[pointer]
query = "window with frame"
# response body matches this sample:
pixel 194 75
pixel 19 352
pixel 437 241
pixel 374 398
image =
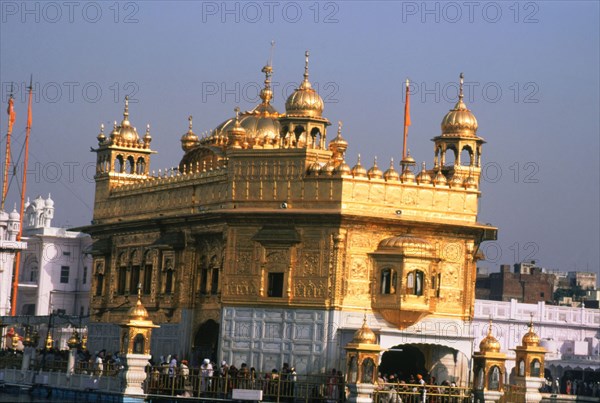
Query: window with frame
pixel 122 280
pixel 414 282
pixel 214 287
pixel 147 287
pixel 275 285
pixel 64 274
pixel 134 279
pixel 169 274
pixel 33 274
pixel 535 368
pixel 388 281
pixel 99 278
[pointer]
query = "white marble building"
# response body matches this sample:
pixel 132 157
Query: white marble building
pixel 54 275
pixel 570 335
pixel 9 228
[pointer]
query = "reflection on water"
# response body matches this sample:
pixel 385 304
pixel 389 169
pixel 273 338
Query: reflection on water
pixel 13 395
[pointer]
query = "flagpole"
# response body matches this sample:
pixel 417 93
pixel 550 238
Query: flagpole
pixel 11 121
pixel 15 290
pixel 406 119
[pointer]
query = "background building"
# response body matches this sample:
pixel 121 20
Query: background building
pixel 9 228
pixel 55 272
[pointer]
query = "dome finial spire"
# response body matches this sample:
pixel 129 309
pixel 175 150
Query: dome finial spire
pixel 460 88
pixel 266 94
pixel 126 111
pixel 339 128
pixel 190 122
pixel 306 84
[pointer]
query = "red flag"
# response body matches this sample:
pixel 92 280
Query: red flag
pixel 11 113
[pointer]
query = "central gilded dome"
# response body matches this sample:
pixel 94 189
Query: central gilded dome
pixel 305 101
pixel 261 123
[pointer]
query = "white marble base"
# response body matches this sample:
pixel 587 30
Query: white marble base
pixel 135 373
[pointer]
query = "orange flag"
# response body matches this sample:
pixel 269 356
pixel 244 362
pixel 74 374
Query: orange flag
pixel 29 118
pixel 407 106
pixel 406 119
pixel 11 113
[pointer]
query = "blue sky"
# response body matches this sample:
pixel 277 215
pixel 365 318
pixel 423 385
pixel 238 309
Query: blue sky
pixel 531 68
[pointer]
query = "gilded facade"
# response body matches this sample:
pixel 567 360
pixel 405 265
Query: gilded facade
pixel 263 245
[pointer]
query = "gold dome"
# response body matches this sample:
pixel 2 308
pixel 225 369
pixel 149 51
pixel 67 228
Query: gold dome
pixel 328 168
pixel 338 145
pixel 456 180
pixel 375 172
pixel 405 243
pixel 189 140
pixel 423 176
pixel 315 168
pixel 261 123
pixel 138 312
pixel 470 182
pixel 391 174
pixel 489 343
pixel 343 169
pixel 304 101
pixel 126 132
pixel 460 121
pixel 530 339
pixel 358 170
pixel 101 137
pixel 440 179
pixel 364 335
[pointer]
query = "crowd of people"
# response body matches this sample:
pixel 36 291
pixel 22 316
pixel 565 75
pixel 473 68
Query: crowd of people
pixel 171 376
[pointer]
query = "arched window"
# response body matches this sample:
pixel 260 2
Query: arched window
pixel 203 288
pixel 535 368
pixel 129 165
pixel 148 264
pixel 119 164
pixel 169 274
pixel 494 378
pixel 138 344
pixel 388 281
pixel 479 379
pixel 466 156
pixel 521 368
pixel 414 282
pixel 367 369
pixel 214 280
pixel 140 166
pixel 450 156
pixel 352 370
pixel 134 279
pixel 99 278
pixel 122 280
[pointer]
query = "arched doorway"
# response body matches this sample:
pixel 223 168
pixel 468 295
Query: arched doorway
pixel 403 361
pixel 430 360
pixel 205 342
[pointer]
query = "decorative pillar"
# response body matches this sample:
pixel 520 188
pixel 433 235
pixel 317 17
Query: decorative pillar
pixel 29 343
pixel 489 370
pixel 530 365
pixel 135 344
pixel 74 343
pixel 362 360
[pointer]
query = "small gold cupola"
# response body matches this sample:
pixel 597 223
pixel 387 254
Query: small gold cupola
pixel 189 140
pixel 305 101
pixel 460 120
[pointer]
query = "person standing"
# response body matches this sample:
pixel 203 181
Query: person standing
pixel 206 373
